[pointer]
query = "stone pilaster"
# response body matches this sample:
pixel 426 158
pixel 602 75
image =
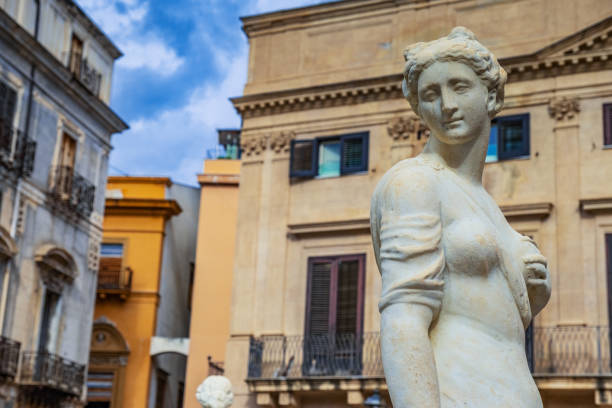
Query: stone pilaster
pixel 568 271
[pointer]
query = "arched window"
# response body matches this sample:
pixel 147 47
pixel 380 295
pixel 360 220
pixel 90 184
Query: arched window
pixel 107 361
pixel 57 269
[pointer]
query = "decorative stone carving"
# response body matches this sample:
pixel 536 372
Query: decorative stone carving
pixel 215 392
pixel 459 285
pixel 253 145
pixel 280 142
pixel 407 128
pixel 564 108
pixel 93 253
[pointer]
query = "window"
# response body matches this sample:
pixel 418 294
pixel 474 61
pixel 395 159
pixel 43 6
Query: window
pixel 8 101
pixel 111 259
pixel 607 114
pixel 329 156
pixel 49 324
pixel 64 173
pixel 334 315
pixel 76 55
pixel 509 138
pixel 160 393
pixel 100 389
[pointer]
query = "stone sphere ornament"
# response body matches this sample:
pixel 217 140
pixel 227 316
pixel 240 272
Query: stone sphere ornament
pixel 215 392
pixel 459 285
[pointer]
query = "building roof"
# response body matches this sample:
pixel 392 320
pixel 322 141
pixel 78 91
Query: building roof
pixel 92 27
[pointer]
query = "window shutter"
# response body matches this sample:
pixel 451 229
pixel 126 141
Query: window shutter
pixel 303 158
pixel 8 101
pixel 513 136
pixel 319 300
pixel 354 153
pixel 607 114
pixel 348 297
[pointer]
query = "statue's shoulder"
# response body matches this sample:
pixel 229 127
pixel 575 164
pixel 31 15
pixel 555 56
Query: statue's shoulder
pixel 414 177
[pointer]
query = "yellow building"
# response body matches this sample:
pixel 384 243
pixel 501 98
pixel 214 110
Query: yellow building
pixel 141 313
pixel 212 285
pixel 324 118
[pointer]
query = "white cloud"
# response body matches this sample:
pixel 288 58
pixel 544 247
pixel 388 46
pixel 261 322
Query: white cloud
pixel 123 21
pixel 174 142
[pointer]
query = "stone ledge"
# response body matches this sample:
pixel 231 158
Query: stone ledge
pixel 596 205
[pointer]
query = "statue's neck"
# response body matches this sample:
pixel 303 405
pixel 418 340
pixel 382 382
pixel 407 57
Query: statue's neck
pixel 466 159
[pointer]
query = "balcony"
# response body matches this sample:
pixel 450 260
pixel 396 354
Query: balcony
pixel 350 363
pixel 51 373
pixel 72 191
pixel 114 280
pixel 9 357
pixel 16 151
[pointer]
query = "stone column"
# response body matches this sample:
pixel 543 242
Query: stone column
pixel 568 271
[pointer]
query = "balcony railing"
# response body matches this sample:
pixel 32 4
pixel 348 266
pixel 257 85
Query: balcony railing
pixel 47 370
pixel 114 280
pixel 89 77
pixel 557 351
pixel 73 190
pixel 9 357
pixel 311 356
pixel 16 151
pixel 215 367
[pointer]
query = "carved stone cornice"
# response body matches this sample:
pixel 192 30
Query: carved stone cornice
pixel 588 50
pixel 253 145
pixel 281 141
pixel 408 128
pixel 596 205
pixel 563 108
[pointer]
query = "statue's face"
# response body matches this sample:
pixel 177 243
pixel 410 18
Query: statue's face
pixel 453 102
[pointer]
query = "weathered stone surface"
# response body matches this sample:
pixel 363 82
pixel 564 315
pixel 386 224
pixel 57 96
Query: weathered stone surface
pixel 459 285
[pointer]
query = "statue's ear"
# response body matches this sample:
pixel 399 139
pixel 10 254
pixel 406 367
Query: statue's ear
pixel 492 102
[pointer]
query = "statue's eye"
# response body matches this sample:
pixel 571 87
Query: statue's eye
pixel 429 95
pixel 461 87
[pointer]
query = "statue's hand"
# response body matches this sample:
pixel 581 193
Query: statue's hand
pixel 537 276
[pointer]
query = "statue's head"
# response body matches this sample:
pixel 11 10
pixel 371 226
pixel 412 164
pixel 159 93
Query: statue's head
pixel 460 46
pixel 215 392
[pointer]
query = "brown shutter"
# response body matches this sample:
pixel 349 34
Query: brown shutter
pixel 318 310
pixel 607 114
pixel 348 297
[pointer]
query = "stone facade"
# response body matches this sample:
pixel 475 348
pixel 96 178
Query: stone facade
pixel 56 126
pixel 322 74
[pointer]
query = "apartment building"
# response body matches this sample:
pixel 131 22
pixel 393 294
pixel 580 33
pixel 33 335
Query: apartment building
pixel 139 343
pixel 324 118
pixel 213 277
pixel 55 137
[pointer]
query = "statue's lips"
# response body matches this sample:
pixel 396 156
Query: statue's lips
pixel 453 123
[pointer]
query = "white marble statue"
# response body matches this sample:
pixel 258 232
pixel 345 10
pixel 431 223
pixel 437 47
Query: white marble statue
pixel 459 285
pixel 215 392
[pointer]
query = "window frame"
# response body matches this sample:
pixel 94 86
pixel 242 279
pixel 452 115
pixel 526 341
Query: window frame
pixel 607 124
pixel 364 136
pixel 524 151
pixel 333 286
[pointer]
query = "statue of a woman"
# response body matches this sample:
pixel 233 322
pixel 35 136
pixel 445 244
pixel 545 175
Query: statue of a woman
pixel 459 285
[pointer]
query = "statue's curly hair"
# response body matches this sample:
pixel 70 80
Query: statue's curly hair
pixel 461 46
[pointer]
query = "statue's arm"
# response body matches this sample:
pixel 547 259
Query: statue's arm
pixel 407 356
pixel 406 229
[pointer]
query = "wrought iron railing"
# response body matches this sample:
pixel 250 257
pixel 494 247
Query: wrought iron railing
pixel 556 351
pixel 9 357
pixel 115 279
pixel 312 356
pixel 215 367
pixel 16 151
pixel 73 190
pixel 571 351
pixel 44 369
pixel 89 77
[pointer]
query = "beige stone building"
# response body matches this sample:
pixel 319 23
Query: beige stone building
pixel 324 118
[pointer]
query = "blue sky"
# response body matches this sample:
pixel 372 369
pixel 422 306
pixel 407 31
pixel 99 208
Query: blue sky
pixel 183 60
